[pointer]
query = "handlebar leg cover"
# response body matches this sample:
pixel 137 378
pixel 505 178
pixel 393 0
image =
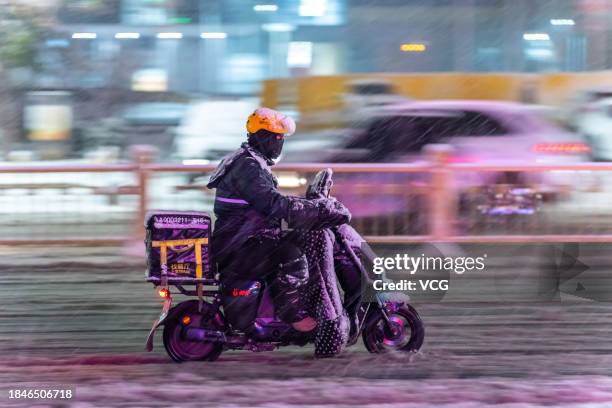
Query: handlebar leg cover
pixel 288 290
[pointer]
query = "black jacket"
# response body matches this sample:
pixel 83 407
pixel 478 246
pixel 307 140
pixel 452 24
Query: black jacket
pixel 248 203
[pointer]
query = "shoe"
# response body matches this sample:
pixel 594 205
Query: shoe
pixel 305 325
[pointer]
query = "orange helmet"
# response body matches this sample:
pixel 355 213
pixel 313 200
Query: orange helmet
pixel 270 120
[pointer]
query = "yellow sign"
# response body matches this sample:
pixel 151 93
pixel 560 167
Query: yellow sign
pixel 413 47
pixel 180 268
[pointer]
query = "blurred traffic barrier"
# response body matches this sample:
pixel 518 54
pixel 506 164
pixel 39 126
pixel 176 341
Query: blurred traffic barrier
pixel 67 203
pixel 433 200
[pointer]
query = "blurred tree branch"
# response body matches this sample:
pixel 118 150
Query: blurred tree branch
pixel 21 28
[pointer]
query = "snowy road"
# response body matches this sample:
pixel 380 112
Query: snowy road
pixel 79 319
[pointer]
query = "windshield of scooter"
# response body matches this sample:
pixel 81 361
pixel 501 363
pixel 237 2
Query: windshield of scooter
pixel 320 185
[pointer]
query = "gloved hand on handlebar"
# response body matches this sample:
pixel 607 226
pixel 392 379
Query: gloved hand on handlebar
pixel 317 213
pixel 332 213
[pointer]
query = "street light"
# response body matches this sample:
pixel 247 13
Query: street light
pixel 536 37
pixel 84 36
pixel 313 8
pixel 562 22
pixel 127 36
pixel 278 27
pixel 170 36
pixel 213 35
pixel 265 8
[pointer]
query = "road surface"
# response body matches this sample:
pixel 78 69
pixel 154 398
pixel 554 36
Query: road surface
pixel 78 318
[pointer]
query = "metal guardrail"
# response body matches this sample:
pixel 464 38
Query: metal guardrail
pixel 105 204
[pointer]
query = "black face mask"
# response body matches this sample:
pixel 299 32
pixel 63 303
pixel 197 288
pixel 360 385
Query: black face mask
pixel 267 144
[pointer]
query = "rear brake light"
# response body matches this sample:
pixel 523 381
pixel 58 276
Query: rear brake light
pixel 574 148
pixel 164 293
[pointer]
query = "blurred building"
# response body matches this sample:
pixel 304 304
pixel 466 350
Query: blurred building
pixel 227 47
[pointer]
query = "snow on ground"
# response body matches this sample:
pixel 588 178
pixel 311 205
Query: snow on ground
pixel 286 380
pixel 79 317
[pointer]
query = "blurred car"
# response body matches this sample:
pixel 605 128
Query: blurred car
pixel 594 122
pixel 583 102
pixel 478 131
pixel 210 130
pixel 150 123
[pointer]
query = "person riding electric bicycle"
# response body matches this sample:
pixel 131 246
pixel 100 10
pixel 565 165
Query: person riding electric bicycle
pixel 248 242
pixel 281 261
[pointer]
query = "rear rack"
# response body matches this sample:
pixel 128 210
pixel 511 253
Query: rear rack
pixel 183 281
pixel 214 291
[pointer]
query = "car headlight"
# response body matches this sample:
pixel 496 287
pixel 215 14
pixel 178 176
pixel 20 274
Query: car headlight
pixel 290 180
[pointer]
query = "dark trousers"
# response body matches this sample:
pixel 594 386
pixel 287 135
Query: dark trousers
pixel 259 259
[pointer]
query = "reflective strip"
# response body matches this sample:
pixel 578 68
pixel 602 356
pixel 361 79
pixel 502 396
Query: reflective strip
pixel 164 266
pixel 198 256
pixel 163 246
pixel 179 242
pixel 231 200
pixel 163 255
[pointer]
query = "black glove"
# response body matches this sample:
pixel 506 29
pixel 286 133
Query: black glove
pixel 332 213
pixel 317 214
